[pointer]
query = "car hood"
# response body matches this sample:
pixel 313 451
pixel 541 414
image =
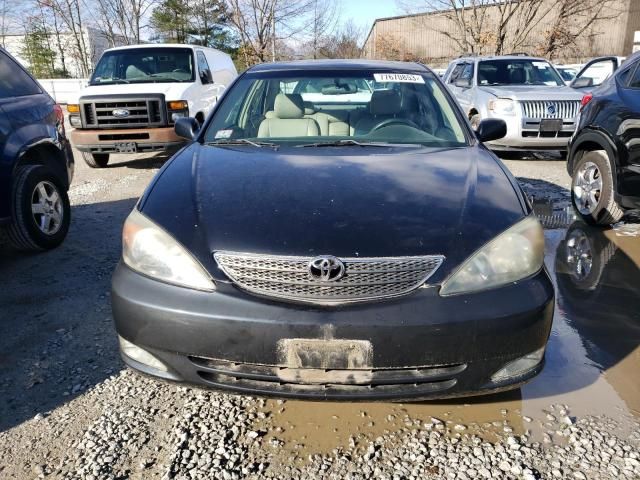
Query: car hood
pixel 342 201
pixel 170 90
pixel 534 92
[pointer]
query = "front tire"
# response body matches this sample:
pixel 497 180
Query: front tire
pixel 96 160
pixel 592 189
pixel 40 209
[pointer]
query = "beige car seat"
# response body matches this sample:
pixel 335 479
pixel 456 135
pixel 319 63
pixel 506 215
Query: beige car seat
pixel 287 119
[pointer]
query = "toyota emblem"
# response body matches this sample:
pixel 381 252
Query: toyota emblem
pixel 120 112
pixel 551 109
pixel 326 268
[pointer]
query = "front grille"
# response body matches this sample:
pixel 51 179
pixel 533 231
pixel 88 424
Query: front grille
pixel 274 378
pixel 364 278
pixel 98 112
pixel 539 108
pixel 538 134
pixel 124 136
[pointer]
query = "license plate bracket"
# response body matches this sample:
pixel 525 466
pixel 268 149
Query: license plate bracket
pixel 126 147
pixel 550 124
pixel 325 354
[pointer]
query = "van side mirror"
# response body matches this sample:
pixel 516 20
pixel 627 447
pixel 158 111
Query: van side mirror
pixel 463 82
pixel 491 129
pixel 187 128
pixel 582 82
pixel 206 77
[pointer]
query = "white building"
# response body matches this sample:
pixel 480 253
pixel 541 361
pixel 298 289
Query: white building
pixel 95 41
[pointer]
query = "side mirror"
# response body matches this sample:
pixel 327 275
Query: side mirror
pixel 463 82
pixel 491 129
pixel 582 82
pixel 187 127
pixel 206 77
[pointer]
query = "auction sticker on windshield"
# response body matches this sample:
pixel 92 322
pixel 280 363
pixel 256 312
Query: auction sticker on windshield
pixel 397 77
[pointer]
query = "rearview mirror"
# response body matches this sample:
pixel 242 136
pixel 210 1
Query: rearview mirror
pixel 187 127
pixel 463 82
pixel 582 82
pixel 491 129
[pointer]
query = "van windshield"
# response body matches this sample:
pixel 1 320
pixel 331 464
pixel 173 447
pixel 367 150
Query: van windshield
pixel 144 65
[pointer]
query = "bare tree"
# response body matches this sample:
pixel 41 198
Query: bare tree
pixel 468 26
pixel 323 23
pixel 70 14
pixel 514 22
pixel 573 20
pixel 260 24
pixel 123 19
pixel 345 43
pixel 7 10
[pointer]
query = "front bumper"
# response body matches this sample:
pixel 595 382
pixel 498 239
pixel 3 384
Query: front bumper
pixel 416 347
pixel 109 140
pixel 524 134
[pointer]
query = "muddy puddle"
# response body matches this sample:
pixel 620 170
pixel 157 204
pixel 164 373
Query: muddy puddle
pixel 592 369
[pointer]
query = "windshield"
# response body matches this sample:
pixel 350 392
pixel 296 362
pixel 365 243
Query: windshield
pixel 144 65
pixel 324 109
pixel 517 72
pixel 567 74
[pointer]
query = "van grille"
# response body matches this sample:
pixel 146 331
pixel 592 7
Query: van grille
pixel 540 108
pixel 142 112
pixel 364 278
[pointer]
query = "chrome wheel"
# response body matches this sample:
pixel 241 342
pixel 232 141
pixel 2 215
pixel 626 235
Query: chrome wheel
pixel 587 188
pixel 47 208
pixel 579 255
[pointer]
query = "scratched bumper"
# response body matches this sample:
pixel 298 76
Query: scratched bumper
pixel 417 347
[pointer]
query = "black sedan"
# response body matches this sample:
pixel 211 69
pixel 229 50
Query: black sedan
pixel 307 246
pixel 604 157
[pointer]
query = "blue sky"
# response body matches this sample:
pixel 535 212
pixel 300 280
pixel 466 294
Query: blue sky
pixel 364 12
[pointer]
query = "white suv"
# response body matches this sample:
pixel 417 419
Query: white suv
pixel 137 92
pixel 526 92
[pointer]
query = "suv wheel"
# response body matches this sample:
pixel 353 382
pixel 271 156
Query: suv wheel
pixel 592 191
pixel 96 160
pixel 41 211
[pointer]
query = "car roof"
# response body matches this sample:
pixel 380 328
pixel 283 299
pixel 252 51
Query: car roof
pixel 502 57
pixel 159 45
pixel 333 64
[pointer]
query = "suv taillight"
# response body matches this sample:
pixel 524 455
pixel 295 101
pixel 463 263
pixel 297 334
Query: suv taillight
pixel 60 116
pixel 585 99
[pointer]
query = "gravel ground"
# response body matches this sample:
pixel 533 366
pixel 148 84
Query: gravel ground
pixel 70 410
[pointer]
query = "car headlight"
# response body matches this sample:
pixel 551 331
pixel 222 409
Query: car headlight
pixel 177 109
pixel 502 106
pixel 75 121
pixel 148 249
pixel 513 255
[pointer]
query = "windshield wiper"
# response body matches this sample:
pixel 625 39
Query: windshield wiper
pixel 350 143
pixel 242 141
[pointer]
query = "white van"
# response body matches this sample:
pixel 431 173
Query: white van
pixel 137 92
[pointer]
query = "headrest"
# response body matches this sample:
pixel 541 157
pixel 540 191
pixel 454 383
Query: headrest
pixel 385 102
pixel 308 108
pixel 288 105
pixel 517 75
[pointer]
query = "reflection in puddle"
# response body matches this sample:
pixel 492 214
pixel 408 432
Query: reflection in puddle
pixel 593 357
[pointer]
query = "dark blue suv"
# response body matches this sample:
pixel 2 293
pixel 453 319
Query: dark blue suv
pixel 604 153
pixel 36 163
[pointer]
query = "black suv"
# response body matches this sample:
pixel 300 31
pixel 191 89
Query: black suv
pixel 36 163
pixel 604 153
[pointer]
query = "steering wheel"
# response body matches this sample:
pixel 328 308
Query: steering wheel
pixel 180 70
pixel 395 121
